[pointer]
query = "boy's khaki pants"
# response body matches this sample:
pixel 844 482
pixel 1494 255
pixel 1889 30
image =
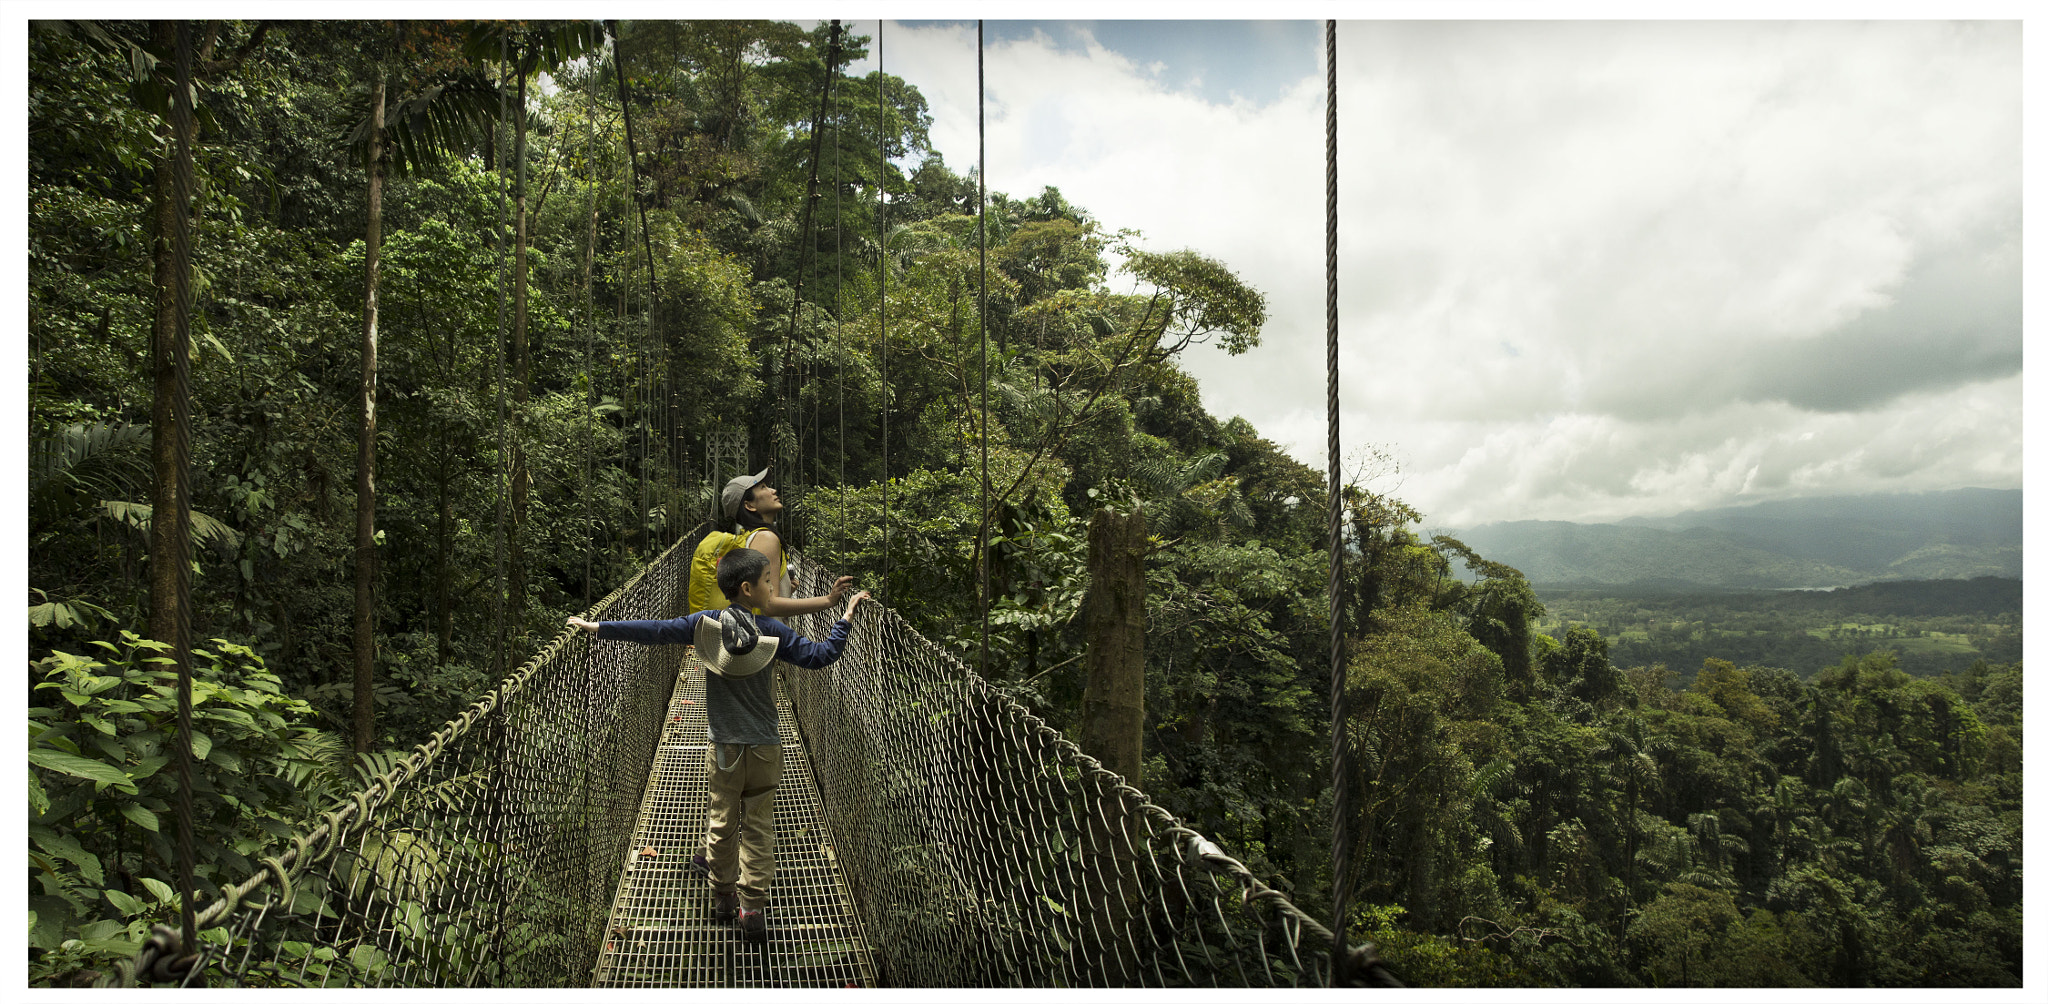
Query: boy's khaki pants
pixel 742 819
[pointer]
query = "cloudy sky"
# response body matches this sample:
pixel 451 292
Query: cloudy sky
pixel 1588 269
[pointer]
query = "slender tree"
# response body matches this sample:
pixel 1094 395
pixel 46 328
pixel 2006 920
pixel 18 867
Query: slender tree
pixel 526 50
pixel 366 443
pixel 425 128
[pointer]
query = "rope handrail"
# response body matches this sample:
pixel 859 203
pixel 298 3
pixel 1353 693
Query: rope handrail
pixel 328 839
pixel 876 799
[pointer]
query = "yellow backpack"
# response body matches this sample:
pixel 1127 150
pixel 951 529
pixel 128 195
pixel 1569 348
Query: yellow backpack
pixel 704 591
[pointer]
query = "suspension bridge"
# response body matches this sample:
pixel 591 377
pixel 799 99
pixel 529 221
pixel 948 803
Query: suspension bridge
pixel 930 831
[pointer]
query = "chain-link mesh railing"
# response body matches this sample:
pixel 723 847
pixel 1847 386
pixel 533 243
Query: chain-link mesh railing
pixel 984 849
pixel 488 857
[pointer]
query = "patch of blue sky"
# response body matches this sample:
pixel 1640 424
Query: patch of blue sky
pixel 1219 61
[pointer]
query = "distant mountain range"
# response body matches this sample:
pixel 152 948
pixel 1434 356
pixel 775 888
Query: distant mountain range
pixel 1804 543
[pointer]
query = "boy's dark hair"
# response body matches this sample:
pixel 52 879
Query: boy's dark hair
pixel 741 564
pixel 748 519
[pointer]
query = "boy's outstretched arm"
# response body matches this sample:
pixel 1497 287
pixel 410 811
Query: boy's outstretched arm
pixel 680 631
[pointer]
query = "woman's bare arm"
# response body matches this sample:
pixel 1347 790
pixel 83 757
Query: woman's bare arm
pixel 779 605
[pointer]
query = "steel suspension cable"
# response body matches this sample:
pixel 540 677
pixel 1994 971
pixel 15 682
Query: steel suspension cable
pixel 1340 838
pixel 498 377
pixel 839 319
pixel 647 246
pixel 589 325
pixel 882 267
pixel 981 239
pixel 806 242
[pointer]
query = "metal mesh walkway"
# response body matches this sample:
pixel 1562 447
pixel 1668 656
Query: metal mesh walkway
pixel 660 933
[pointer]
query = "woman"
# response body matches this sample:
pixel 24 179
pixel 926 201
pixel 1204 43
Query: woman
pixel 754 507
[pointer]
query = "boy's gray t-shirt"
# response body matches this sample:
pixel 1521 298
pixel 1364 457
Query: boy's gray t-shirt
pixel 742 709
pixel 739 709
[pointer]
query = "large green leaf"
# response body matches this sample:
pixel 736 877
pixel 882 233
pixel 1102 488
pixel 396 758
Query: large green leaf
pixel 96 771
pixel 142 817
pixel 123 902
pixel 65 846
pixel 163 892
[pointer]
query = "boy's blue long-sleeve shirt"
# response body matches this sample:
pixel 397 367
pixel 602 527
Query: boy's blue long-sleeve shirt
pixel 739 710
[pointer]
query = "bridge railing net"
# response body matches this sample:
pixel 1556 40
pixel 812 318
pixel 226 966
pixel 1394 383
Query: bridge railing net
pixel 488 857
pixel 984 849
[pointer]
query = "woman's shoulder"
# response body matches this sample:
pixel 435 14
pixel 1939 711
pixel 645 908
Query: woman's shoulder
pixel 759 539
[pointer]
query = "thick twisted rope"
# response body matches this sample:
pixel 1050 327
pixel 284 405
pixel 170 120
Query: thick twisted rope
pixel 1340 837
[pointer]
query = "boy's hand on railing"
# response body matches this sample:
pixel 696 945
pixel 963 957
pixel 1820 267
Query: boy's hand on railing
pixel 853 604
pixel 590 626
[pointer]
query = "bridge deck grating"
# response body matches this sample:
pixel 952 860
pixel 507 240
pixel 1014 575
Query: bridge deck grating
pixel 660 933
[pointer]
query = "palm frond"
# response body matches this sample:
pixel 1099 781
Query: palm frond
pixel 205 530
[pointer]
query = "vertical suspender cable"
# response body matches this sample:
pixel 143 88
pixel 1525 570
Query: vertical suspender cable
pixel 981 239
pixel 494 754
pixel 882 267
pixel 184 130
pixel 806 240
pixel 646 245
pixel 839 318
pixel 498 373
pixel 585 722
pixel 589 324
pixel 1340 838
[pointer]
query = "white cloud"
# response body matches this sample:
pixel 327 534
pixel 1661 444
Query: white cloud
pixel 1591 269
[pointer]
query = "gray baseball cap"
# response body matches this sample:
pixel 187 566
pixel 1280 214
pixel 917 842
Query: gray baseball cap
pixel 736 490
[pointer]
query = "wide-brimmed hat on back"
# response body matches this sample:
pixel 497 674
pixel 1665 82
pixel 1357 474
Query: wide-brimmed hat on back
pixel 731 645
pixel 736 492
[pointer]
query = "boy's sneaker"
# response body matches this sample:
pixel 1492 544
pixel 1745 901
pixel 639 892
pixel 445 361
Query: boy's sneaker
pixel 700 866
pixel 725 906
pixel 754 924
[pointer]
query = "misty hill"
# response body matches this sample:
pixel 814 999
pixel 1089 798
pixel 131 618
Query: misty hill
pixel 1844 541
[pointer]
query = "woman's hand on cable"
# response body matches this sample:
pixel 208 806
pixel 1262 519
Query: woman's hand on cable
pixel 839 589
pixel 578 622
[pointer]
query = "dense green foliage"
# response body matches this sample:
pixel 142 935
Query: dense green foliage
pixel 1530 810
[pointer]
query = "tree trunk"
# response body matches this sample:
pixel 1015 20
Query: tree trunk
pixel 366 445
pixel 170 348
pixel 522 374
pixel 1113 707
pixel 170 571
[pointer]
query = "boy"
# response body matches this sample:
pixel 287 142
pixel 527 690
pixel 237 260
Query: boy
pixel 745 759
